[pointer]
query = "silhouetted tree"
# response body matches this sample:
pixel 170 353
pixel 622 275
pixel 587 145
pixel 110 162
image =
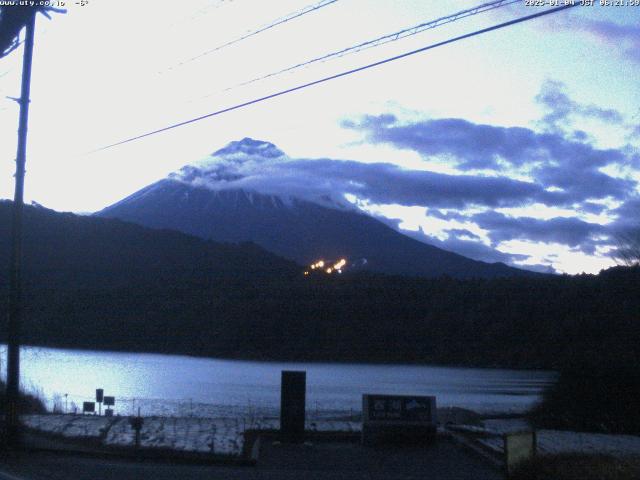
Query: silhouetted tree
pixel 628 249
pixel 12 19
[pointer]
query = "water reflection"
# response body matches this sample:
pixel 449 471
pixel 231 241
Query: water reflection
pixel 178 385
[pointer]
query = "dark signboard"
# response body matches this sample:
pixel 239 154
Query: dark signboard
pixel 292 404
pixel 398 419
pixel 399 408
pixel 88 407
pixel 109 401
pixel 99 395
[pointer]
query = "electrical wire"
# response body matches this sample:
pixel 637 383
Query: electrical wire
pixel 200 12
pixel 340 75
pixel 391 37
pixel 275 23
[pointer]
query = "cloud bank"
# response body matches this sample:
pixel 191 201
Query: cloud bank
pixel 503 177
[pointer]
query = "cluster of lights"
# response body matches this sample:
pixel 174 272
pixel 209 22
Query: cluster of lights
pixel 318 264
pixel 327 268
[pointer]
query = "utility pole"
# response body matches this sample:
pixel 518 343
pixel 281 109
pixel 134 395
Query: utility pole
pixel 15 268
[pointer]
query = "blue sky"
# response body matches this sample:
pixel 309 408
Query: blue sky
pixel 520 145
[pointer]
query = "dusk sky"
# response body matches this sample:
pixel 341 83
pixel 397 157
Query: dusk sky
pixel 519 145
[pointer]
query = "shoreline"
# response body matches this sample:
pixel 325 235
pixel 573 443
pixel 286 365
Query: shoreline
pixel 249 359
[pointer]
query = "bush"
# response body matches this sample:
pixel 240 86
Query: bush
pixel 28 403
pixel 595 398
pixel 577 467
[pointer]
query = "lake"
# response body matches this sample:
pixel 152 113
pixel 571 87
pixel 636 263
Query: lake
pixel 181 385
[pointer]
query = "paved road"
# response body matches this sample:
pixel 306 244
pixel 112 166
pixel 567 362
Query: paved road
pixel 326 461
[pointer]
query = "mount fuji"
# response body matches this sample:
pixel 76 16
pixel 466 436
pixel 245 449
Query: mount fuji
pixel 250 191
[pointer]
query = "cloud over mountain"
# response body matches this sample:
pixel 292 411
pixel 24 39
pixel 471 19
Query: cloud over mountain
pixel 570 167
pixel 381 183
pixel 552 184
pixel 566 171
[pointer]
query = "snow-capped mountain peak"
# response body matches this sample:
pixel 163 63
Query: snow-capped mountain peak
pixel 249 147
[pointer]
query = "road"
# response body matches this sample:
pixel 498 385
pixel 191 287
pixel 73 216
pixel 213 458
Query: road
pixel 326 461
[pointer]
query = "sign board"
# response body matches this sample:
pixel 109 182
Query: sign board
pixel 292 405
pixel 88 407
pixel 99 395
pixel 518 446
pixel 399 409
pixel 109 401
pixel 108 412
pixel 398 418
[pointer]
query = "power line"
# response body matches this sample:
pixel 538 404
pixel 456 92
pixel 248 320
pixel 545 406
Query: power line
pixel 391 37
pixel 290 16
pixel 342 74
pixel 200 12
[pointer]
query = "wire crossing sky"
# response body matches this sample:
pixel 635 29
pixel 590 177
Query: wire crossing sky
pixel 339 75
pixel 269 26
pixel 391 37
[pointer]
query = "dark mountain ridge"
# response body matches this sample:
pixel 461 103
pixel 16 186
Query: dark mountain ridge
pixel 68 251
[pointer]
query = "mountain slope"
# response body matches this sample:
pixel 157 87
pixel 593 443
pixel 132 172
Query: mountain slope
pixel 66 251
pixel 289 226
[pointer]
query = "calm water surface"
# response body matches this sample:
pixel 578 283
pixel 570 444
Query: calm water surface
pixel 172 384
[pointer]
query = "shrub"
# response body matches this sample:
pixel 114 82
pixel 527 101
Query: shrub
pixel 595 398
pixel 577 467
pixel 28 403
